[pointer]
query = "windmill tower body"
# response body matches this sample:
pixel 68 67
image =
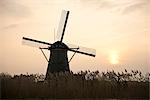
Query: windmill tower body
pixel 58 60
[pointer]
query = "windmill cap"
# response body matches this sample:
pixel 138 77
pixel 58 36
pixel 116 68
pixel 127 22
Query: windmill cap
pixel 59 45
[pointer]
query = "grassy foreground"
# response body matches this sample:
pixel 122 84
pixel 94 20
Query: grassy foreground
pixel 84 84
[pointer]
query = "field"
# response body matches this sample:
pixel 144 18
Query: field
pixel 84 84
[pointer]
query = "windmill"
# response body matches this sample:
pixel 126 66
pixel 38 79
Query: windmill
pixel 58 60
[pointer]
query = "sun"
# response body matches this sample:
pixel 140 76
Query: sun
pixel 114 57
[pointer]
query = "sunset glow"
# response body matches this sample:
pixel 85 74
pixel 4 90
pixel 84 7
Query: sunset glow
pixel 118 31
pixel 113 57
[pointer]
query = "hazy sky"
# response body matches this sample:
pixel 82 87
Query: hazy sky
pixel 117 29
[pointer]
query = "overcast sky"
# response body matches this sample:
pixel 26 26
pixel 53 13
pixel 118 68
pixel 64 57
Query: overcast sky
pixel 120 26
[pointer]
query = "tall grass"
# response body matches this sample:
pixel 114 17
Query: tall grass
pixel 84 84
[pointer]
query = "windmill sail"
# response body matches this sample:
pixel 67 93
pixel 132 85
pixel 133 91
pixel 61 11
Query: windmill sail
pixel 62 25
pixel 82 50
pixel 35 43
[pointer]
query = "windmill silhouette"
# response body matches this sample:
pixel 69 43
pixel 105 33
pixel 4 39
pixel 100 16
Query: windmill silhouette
pixel 58 60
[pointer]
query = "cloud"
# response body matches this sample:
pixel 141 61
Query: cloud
pixel 9 26
pixel 122 6
pixel 132 5
pixel 12 8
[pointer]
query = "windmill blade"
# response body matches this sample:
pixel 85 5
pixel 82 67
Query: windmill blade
pixel 62 25
pixel 35 43
pixel 82 50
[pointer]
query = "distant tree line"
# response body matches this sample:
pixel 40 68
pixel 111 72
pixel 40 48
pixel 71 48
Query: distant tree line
pixel 84 84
